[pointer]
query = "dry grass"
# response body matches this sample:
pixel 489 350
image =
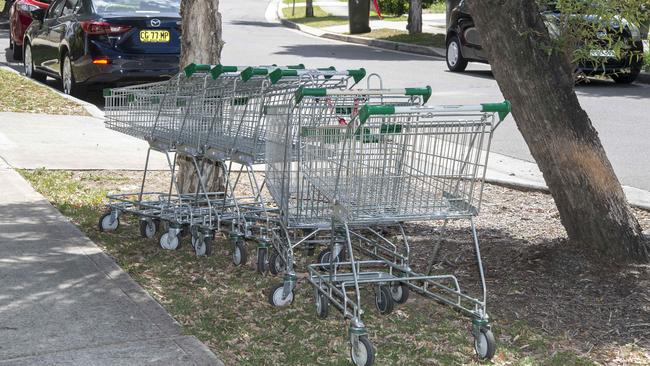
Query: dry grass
pixel 396 35
pixel 18 94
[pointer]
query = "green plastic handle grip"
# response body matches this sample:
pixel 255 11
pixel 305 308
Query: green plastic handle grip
pixel 357 74
pixel 311 92
pixel 424 92
pixel 221 69
pixel 249 72
pixel 370 110
pixel 192 68
pixel 503 109
pixel 296 67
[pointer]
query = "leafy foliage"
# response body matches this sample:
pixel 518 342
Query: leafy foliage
pixel 399 7
pixel 590 31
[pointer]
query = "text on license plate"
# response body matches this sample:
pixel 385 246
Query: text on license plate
pixel 602 53
pixel 154 36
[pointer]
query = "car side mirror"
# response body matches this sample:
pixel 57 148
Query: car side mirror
pixel 37 14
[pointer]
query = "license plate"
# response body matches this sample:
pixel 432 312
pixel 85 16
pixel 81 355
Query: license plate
pixel 602 53
pixel 154 36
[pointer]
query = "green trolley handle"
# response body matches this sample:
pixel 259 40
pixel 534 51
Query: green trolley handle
pixel 424 92
pixel 502 109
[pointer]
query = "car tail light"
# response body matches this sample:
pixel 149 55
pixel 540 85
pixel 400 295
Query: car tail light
pixel 101 61
pixel 95 27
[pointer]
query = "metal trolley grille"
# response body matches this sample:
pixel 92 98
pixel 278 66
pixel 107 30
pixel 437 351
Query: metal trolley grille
pixel 409 166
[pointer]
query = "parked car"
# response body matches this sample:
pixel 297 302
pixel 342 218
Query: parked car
pixel 85 42
pixel 464 45
pixel 20 17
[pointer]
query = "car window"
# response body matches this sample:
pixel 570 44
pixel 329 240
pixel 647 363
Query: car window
pixel 55 9
pixel 70 7
pixel 153 7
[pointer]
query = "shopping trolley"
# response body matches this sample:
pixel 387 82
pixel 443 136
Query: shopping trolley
pixel 242 139
pixel 207 113
pixel 303 216
pixel 390 165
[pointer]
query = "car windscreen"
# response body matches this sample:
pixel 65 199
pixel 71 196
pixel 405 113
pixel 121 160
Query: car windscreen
pixel 136 7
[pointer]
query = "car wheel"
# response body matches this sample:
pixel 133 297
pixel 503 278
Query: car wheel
pixel 68 84
pixel 455 60
pixel 28 62
pixel 626 77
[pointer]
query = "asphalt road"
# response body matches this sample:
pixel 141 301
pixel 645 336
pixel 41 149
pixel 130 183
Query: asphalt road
pixel 619 112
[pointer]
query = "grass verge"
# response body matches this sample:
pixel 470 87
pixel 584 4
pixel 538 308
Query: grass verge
pixel 323 19
pixel 226 307
pixel 18 94
pixel 395 35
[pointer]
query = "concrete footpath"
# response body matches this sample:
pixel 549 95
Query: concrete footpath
pixel 65 302
pixel 31 141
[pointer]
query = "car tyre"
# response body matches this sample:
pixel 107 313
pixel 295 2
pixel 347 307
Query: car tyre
pixel 28 62
pixel 68 82
pixel 626 77
pixel 455 60
pixel 17 50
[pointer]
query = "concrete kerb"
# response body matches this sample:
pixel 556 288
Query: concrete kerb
pixel 388 45
pixel 90 108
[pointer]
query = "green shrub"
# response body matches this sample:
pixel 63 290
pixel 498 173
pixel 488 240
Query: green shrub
pixel 393 7
pixel 400 7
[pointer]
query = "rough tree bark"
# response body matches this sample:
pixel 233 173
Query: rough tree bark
pixel 414 25
pixel 309 9
pixel 201 43
pixel 559 134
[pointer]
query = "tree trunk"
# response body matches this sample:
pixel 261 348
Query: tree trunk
pixel 201 43
pixel 559 134
pixel 309 9
pixel 414 25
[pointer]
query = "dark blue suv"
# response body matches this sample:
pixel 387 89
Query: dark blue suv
pixel 83 42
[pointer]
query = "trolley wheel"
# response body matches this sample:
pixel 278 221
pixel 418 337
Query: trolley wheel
pixel 262 260
pixel 239 254
pixel 276 265
pixel 384 300
pixel 399 292
pixel 484 344
pixel 106 223
pixel 148 228
pixel 322 305
pixel 275 296
pixel 203 246
pixel 362 352
pixel 169 242
pixel 324 257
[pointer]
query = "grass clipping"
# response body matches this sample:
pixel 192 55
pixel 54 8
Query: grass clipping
pixel 18 94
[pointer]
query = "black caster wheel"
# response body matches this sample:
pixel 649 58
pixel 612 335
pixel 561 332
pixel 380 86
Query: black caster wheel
pixel 107 223
pixel 239 254
pixel 484 344
pixel 383 300
pixel 276 297
pixel 399 292
pixel 262 260
pixel 148 228
pixel 362 352
pixel 276 265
